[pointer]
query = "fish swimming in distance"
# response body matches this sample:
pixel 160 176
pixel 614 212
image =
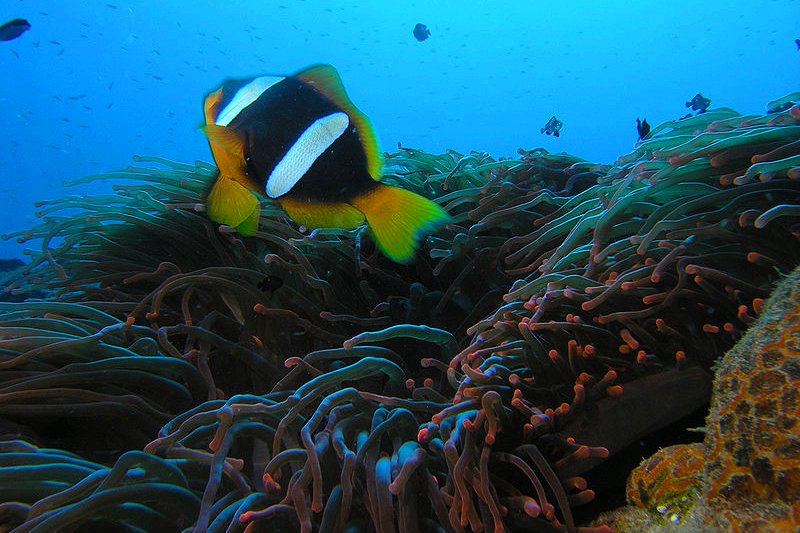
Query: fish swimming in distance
pixel 643 128
pixel 13 29
pixel 421 32
pixel 699 103
pixel 301 142
pixel 553 127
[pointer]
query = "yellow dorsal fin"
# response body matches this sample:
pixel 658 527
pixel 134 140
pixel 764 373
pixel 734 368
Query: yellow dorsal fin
pixel 326 80
pixel 398 219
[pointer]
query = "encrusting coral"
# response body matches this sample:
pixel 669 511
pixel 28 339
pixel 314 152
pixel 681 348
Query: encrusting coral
pixel 466 391
pixel 745 475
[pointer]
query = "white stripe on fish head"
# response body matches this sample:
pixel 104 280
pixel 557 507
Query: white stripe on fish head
pixel 245 96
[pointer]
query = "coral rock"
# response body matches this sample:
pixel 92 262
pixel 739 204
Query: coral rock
pixel 753 476
pixel 745 476
pixel 668 482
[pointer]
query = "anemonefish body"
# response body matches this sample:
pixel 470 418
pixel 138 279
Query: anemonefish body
pixel 300 141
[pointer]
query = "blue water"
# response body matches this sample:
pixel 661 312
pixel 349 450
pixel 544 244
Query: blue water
pixel 94 82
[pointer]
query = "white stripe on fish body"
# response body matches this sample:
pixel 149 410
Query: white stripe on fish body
pixel 298 159
pixel 244 97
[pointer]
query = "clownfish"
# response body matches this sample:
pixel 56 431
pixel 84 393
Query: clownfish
pixel 301 142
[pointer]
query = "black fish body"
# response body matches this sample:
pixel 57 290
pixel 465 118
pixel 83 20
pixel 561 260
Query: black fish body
pixel 273 114
pixel 13 29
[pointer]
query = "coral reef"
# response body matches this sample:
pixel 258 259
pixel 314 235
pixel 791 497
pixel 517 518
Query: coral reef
pixel 569 309
pixel 744 476
pixel 752 475
pixel 667 483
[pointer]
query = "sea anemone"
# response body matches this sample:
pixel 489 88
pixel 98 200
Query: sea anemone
pixel 466 391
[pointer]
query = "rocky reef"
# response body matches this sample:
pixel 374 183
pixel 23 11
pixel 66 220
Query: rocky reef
pixel 745 475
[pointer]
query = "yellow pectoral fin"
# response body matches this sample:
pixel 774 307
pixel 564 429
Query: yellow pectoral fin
pixel 398 219
pixel 228 149
pixel 250 225
pixel 226 138
pixel 322 214
pixel 229 202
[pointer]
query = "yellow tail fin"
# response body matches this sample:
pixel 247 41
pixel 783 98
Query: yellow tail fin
pixel 229 202
pixel 398 219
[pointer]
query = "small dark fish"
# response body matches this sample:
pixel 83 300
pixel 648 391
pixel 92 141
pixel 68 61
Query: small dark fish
pixel 553 127
pixel 13 29
pixel 699 103
pixel 797 43
pixel 270 283
pixel 421 32
pixel 643 128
